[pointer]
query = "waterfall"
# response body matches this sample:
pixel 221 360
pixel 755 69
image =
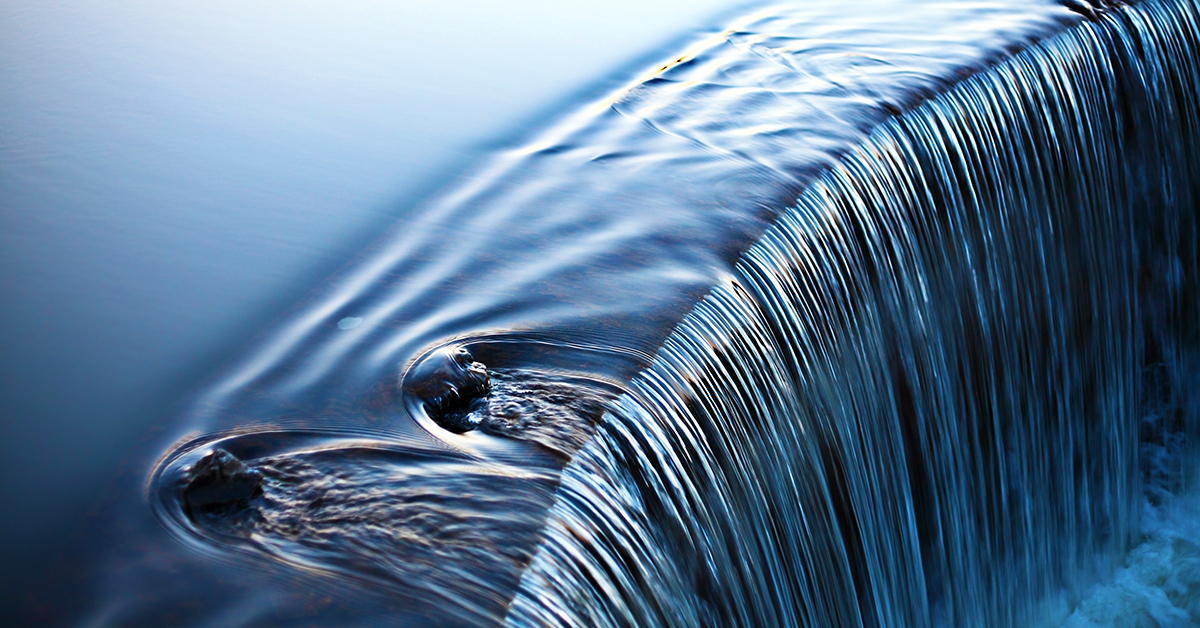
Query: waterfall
pixel 916 400
pixel 830 319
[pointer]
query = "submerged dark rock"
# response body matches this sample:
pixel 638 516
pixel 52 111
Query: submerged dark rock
pixel 393 515
pixel 450 383
pixel 551 410
pixel 219 479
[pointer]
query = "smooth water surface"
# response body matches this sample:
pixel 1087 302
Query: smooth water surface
pixel 174 176
pixel 820 317
pixel 561 264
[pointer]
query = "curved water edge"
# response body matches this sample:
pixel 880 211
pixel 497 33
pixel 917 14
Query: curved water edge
pixel 916 401
pixel 764 424
pixel 631 208
pixel 440 520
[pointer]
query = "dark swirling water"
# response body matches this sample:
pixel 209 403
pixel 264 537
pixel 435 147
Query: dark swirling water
pixel 910 396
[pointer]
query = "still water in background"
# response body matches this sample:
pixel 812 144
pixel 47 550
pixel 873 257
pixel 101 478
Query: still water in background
pixel 562 264
pixel 933 245
pixel 174 176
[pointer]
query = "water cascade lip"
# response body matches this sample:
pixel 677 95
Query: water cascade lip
pixel 919 398
pixel 769 174
pixel 612 223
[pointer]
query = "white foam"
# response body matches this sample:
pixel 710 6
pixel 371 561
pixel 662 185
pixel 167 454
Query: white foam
pixel 1159 583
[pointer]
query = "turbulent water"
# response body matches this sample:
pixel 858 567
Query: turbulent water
pixel 915 402
pixel 831 320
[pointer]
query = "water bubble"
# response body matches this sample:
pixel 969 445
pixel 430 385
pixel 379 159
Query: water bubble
pixel 350 322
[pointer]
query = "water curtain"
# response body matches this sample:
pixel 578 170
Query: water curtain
pixel 917 400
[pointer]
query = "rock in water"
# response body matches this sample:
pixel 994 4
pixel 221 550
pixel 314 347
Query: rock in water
pixel 449 382
pixel 220 478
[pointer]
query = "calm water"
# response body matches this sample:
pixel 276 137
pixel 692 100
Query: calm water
pixel 511 393
pixel 173 177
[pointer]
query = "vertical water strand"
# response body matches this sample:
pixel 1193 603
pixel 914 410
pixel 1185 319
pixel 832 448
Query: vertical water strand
pixel 916 401
pixel 1169 288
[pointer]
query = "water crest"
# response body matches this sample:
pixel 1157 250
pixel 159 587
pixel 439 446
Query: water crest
pixel 916 401
pixel 828 321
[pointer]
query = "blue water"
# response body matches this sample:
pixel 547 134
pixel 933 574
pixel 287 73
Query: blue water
pixel 817 318
pixel 919 398
pixel 174 177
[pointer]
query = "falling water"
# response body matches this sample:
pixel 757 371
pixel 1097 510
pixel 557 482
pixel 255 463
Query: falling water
pixel 916 401
pixel 907 298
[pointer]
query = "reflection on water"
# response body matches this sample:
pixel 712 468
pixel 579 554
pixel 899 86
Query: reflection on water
pixel 430 523
pixel 918 399
pixel 561 265
pixel 426 525
pixel 393 448
pixel 175 175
